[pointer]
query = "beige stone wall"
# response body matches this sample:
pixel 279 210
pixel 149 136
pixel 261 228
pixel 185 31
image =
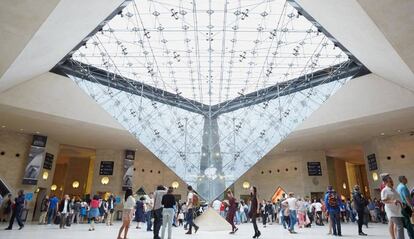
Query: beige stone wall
pixel 393 147
pixel 291 180
pixel 12 167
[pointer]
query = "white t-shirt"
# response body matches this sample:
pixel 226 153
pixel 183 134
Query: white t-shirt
pixel 65 207
pixel 130 203
pixel 292 203
pixel 317 206
pixel 216 205
pixel 391 209
pixel 190 200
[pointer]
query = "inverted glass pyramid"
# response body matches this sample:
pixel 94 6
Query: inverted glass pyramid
pixel 209 87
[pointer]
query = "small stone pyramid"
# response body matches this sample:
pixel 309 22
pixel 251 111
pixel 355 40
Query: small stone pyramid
pixel 210 220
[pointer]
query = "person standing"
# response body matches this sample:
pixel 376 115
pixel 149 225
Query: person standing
pixel 391 199
pixel 148 213
pixel 231 211
pixel 127 213
pixel 6 208
pixel 168 201
pixel 158 194
pixel 17 209
pixel 111 209
pixel 53 205
pixel 44 207
pixel 140 211
pixel 359 205
pixel 63 210
pixel 407 206
pixel 333 205
pixel 291 202
pixel 192 200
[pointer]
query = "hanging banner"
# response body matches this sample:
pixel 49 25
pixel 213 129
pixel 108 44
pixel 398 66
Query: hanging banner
pixel 35 160
pixel 128 169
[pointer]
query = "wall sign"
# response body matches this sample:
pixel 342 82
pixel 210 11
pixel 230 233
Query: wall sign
pixel 106 168
pixel 314 169
pixel 35 160
pixel 48 163
pixel 128 169
pixel 372 162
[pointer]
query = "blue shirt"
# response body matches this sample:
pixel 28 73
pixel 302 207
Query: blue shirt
pixel 53 202
pixel 404 192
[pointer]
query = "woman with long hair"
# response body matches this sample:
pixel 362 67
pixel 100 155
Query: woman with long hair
pixel 254 210
pixel 127 213
pixel 232 208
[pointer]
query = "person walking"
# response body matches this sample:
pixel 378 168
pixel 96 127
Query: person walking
pixel 291 202
pixel 254 211
pixel 53 206
pixel 263 212
pixel 17 209
pixel 148 213
pixel 140 211
pixel 192 201
pixel 333 206
pixel 63 210
pixel 407 205
pixel 359 205
pixel 6 208
pixel 44 207
pixel 127 213
pixel 168 202
pixel 391 199
pixel 111 209
pixel 158 194
pixel 94 212
pixel 232 208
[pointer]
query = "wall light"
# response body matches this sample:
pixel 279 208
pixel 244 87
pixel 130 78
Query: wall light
pixel 375 176
pixel 175 184
pixel 45 175
pixel 75 184
pixel 53 187
pixel 105 180
pixel 344 185
pixel 246 185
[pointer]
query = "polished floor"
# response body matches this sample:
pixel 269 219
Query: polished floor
pixel 377 231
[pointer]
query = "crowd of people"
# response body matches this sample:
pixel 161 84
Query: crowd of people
pixel 159 211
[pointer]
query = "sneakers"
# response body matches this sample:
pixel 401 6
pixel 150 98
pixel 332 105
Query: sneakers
pixel 362 234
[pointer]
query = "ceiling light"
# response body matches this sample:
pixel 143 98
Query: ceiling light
pixel 21 129
pixel 382 134
pixel 3 126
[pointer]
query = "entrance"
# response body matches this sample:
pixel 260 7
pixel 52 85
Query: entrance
pixel 40 196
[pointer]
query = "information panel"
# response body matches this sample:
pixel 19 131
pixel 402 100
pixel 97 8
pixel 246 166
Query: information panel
pixel 372 162
pixel 106 168
pixel 314 169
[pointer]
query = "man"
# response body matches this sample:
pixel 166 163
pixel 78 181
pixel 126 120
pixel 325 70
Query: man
pixel 53 205
pixel 407 205
pixel 333 205
pixel 392 202
pixel 158 194
pixel 359 205
pixel 190 208
pixel 148 214
pixel 64 210
pixel 19 204
pixel 291 203
pixel 43 210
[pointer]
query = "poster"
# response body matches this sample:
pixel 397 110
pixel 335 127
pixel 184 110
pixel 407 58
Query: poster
pixel 128 169
pixel 35 160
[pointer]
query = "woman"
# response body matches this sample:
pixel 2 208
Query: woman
pixel 6 208
pixel 254 210
pixel 243 218
pixel 301 213
pixel 168 201
pixel 94 212
pixel 264 212
pixel 232 208
pixel 140 211
pixel 127 213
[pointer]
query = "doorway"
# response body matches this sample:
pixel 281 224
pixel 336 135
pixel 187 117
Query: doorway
pixel 40 196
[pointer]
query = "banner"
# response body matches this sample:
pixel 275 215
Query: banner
pixel 128 169
pixel 35 160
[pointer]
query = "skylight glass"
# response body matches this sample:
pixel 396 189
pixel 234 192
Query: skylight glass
pixel 210 51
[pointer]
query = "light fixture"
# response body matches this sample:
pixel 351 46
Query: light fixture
pixel 344 185
pixel 246 185
pixel 75 184
pixel 21 129
pixel 105 180
pixel 3 126
pixel 37 132
pixel 375 176
pixel 37 190
pixel 175 184
pixel 45 175
pixel 382 134
pixel 53 187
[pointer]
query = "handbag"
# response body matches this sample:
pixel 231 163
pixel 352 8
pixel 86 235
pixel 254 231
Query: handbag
pixel 57 220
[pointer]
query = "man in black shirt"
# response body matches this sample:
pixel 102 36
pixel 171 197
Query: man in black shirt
pixel 168 201
pixel 19 204
pixel 359 205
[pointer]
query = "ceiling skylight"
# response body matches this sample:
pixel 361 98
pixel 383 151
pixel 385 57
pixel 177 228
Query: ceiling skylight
pixel 210 51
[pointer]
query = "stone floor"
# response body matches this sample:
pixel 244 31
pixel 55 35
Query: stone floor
pixel 377 231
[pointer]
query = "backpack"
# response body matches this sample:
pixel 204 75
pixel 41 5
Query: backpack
pixel 332 200
pixel 196 201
